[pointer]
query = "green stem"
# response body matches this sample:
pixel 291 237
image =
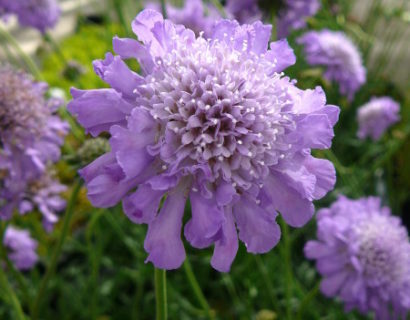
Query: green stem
pixel 219 7
pixel 10 293
pixel 286 257
pixel 27 60
pixel 197 289
pixel 265 275
pixel 161 294
pixel 49 39
pixel 306 300
pixel 57 250
pixel 4 283
pixel 164 9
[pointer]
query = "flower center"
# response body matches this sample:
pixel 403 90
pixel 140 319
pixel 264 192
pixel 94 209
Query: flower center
pixel 220 106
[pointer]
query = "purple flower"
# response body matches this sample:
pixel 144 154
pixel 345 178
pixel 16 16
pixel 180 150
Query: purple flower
pixel 195 15
pixel 30 135
pixel 43 194
pixel 39 14
pixel 211 120
pixel 294 14
pixel 363 254
pixel 245 11
pixel 376 116
pixel 21 248
pixel 339 55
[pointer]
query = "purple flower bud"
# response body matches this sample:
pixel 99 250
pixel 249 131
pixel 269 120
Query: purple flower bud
pixel 21 248
pixel 376 116
pixel 337 53
pixel 38 14
pixel 363 254
pixel 213 120
pixel 294 14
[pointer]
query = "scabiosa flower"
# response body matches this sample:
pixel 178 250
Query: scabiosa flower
pixel 30 134
pixel 195 15
pixel 363 254
pixel 376 116
pixel 339 55
pixel 294 14
pixel 45 195
pixel 245 11
pixel 39 14
pixel 21 248
pixel 211 120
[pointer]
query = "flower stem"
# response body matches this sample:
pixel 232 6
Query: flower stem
pixel 197 289
pixel 161 294
pixel 286 251
pixel 57 250
pixel 50 40
pixel 4 283
pixel 27 60
pixel 163 9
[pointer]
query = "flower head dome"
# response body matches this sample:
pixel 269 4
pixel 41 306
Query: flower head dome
pixel 30 134
pixel 39 14
pixel 294 14
pixel 341 58
pixel 21 248
pixel 376 116
pixel 363 253
pixel 213 120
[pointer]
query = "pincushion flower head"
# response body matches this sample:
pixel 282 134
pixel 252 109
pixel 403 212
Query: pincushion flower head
pixel 21 248
pixel 376 116
pixel 38 14
pixel 294 14
pixel 340 57
pixel 363 254
pixel 211 120
pixel 30 134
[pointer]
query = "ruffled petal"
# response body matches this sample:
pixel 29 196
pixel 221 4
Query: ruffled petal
pixel 315 249
pixel 142 205
pixel 331 285
pixel 281 54
pixel 295 210
pixel 116 73
pixel 226 247
pixel 325 175
pixel 207 219
pixel 130 48
pixel 163 241
pixel 257 229
pixel 98 110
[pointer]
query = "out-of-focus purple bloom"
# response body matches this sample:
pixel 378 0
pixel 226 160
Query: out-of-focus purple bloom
pixel 30 135
pixel 339 55
pixel 245 11
pixel 21 248
pixel 43 194
pixel 39 14
pixel 195 15
pixel 294 14
pixel 376 116
pixel 212 120
pixel 363 254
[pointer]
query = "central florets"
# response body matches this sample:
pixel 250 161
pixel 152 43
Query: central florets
pixel 22 106
pixel 219 106
pixel 378 253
